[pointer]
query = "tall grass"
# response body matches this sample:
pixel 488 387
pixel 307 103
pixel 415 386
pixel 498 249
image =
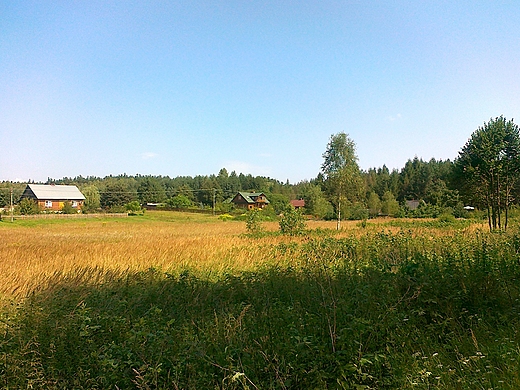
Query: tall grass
pixel 33 251
pixel 366 308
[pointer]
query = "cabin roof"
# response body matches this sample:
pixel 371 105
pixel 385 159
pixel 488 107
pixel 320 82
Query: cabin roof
pixel 250 197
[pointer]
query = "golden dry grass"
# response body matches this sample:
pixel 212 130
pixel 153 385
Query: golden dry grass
pixel 30 255
pixel 33 254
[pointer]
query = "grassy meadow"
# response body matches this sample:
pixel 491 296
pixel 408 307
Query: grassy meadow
pixel 186 301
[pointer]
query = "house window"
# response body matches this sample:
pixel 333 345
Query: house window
pixel 48 204
pixel 74 204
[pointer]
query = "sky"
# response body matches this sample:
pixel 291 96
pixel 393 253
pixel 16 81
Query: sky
pixel 185 88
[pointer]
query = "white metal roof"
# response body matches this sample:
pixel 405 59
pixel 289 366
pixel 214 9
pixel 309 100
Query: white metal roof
pixel 56 192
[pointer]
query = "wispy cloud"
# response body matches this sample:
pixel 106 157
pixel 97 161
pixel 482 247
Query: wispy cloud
pixel 245 168
pixel 394 118
pixel 148 155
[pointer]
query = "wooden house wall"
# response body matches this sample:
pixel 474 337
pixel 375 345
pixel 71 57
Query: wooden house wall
pixel 57 205
pixel 259 202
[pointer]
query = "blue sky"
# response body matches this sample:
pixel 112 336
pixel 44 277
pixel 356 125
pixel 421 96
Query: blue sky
pixel 186 88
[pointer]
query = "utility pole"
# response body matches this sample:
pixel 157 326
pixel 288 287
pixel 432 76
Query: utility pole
pixel 12 209
pixel 338 225
pixel 214 196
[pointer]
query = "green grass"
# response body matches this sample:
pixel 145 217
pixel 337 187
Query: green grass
pixel 147 217
pixel 384 310
pixel 439 223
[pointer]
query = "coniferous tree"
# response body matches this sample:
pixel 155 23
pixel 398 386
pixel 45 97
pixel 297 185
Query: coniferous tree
pixel 151 190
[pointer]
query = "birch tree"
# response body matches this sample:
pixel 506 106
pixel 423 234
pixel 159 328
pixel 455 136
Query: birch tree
pixel 341 171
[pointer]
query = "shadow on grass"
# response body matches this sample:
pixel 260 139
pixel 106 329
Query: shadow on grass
pixel 420 325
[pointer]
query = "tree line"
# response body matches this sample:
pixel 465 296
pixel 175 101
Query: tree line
pixel 425 180
pixel 484 175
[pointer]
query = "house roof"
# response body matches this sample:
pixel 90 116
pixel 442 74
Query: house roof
pixel 250 197
pixel 55 192
pixel 298 203
pixel 412 204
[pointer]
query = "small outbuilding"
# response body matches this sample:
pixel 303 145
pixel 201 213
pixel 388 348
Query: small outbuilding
pixel 250 200
pixel 52 197
pixel 412 204
pixel 297 203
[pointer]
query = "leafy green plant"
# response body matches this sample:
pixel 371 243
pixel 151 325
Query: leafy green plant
pixel 358 211
pixel 447 218
pixel 389 205
pixel 292 222
pixel 92 199
pixel 134 208
pixel 116 209
pixel 28 207
pixel 179 202
pixel 68 209
pixel 253 221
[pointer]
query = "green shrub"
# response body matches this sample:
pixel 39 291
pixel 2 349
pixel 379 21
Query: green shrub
pixel 447 218
pixel 358 212
pixel 389 205
pixel 426 210
pixel 224 207
pixel 116 209
pixel 458 211
pixel 268 213
pixel 134 208
pixel 92 202
pixel 253 222
pixel 179 202
pixel 292 222
pixel 28 207
pixel 68 209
